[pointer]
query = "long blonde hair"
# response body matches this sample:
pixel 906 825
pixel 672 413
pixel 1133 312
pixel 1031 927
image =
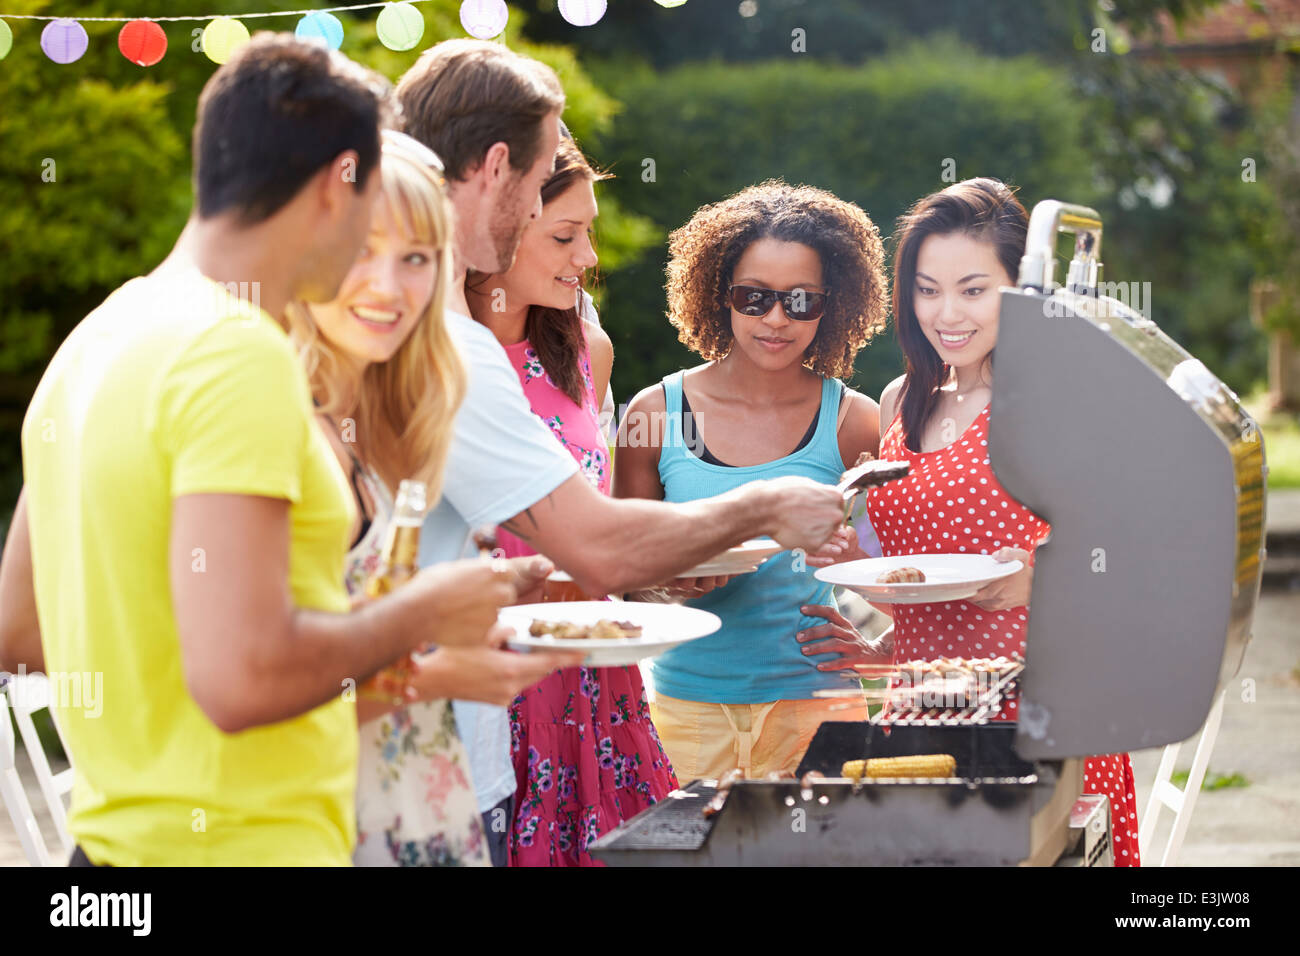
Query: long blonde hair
pixel 405 407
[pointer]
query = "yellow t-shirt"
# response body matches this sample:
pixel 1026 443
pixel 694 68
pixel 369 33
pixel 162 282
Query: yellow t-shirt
pixel 173 387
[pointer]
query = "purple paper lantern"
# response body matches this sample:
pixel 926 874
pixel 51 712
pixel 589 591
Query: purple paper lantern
pixel 64 40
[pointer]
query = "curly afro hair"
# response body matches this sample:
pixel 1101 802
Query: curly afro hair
pixel 703 254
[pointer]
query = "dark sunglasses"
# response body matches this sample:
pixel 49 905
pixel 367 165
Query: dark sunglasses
pixel 799 304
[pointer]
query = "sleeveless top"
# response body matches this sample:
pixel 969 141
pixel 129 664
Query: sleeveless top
pixel 415 801
pixel 754 657
pixel 702 450
pixel 951 503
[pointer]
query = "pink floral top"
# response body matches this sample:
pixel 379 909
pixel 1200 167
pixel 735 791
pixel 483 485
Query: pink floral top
pixel 575 427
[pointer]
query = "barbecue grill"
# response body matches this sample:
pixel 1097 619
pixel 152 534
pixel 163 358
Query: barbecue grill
pixel 1143 600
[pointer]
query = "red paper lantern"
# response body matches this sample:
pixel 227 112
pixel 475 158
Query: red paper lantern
pixel 142 42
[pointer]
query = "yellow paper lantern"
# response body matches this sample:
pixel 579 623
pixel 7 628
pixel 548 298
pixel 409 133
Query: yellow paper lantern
pixel 222 37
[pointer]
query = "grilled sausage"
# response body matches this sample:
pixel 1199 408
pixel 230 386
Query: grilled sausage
pixel 902 576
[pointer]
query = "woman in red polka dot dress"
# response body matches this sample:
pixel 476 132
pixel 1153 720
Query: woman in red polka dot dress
pixel 955 248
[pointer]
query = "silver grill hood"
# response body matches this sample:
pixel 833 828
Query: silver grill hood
pixel 1152 477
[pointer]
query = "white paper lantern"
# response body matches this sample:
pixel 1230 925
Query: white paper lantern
pixel 484 19
pixel 582 13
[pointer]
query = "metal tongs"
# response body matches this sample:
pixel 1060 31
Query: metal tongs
pixel 867 474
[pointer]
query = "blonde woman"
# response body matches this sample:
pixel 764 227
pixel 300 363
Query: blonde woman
pixel 387 382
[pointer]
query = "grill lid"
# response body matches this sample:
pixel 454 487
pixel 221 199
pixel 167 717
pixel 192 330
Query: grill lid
pixel 1152 477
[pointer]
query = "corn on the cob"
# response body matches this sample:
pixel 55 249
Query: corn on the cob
pixel 921 765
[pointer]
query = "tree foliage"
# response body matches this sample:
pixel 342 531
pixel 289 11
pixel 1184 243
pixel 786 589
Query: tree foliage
pixel 95 166
pixel 847 31
pixel 880 135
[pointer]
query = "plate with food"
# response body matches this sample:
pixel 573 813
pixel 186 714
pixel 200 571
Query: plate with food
pixel 742 559
pixel 613 633
pixel 918 578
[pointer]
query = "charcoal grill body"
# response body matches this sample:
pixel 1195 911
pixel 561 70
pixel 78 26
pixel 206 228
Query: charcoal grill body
pixel 1143 595
pixel 999 811
pixel 1151 475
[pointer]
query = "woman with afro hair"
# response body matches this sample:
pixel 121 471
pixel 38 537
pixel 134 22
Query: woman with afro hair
pixel 777 288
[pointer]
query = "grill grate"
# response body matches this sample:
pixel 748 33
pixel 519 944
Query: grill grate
pixel 983 752
pixel 899 710
pixel 978 712
pixel 675 823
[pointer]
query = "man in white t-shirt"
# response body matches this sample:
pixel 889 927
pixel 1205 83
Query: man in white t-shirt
pixel 493 117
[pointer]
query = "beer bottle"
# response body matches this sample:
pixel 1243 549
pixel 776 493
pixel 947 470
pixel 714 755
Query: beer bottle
pixel 397 565
pixel 402 545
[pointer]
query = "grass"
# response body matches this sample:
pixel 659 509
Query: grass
pixel 1281 433
pixel 1212 781
pixel 1282 450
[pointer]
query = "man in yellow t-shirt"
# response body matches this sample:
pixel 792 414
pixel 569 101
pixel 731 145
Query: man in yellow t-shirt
pixel 179 541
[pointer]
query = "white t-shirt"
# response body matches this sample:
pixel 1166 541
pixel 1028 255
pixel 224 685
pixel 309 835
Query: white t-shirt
pixel 502 460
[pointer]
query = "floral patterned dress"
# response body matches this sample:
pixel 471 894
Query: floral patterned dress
pixel 950 502
pixel 415 801
pixel 586 754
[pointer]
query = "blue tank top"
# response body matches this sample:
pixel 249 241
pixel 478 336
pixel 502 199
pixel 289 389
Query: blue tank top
pixel 754 657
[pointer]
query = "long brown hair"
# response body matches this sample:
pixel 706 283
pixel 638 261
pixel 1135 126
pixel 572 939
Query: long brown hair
pixel 556 334
pixel 985 209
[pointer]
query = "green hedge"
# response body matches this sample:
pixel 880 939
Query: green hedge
pixel 879 134
pixel 95 168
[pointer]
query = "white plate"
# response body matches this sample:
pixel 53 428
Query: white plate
pixel 948 577
pixel 663 626
pixel 742 559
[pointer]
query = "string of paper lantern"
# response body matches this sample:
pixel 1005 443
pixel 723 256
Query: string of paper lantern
pixel 400 26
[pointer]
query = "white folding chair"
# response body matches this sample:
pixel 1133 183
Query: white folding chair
pixel 29 693
pixel 1165 794
pixel 15 798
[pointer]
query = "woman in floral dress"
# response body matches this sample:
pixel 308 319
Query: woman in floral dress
pixel 586 755
pixel 415 800
pixel 955 248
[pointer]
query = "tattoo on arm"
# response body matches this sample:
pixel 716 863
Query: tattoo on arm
pixel 517 528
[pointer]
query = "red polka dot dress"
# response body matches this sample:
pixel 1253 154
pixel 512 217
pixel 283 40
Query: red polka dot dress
pixel 951 503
